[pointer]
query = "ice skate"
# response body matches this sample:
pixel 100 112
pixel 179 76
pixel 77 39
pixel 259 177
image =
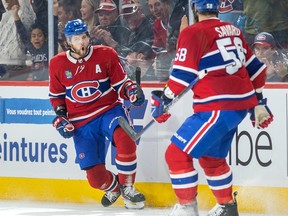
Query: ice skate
pixel 185 210
pixel 229 209
pixel 109 198
pixel 132 198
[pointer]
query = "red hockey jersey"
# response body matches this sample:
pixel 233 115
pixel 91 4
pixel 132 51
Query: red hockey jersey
pixel 160 35
pixel 234 73
pixel 87 86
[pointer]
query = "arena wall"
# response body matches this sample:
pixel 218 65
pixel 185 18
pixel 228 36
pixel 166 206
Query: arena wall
pixel 37 164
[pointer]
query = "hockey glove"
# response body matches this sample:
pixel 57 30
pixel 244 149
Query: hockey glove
pixel 63 126
pixel 157 106
pixel 135 94
pixel 261 115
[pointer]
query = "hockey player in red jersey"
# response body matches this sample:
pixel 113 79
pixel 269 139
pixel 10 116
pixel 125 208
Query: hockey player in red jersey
pixel 85 85
pixel 231 89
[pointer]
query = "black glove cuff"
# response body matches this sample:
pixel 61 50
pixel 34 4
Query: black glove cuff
pixel 259 96
pixel 61 110
pixel 158 93
pixel 166 99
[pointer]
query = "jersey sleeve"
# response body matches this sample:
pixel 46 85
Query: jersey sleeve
pixel 255 68
pixel 185 67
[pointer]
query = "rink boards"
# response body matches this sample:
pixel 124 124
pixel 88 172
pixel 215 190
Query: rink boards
pixel 37 164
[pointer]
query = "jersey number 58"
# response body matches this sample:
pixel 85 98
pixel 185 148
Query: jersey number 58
pixel 227 51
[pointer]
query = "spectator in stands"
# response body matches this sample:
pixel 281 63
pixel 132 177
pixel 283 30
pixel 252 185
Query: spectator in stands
pixel 36 47
pixel 265 49
pixel 40 8
pixel 12 51
pixel 160 9
pixel 65 10
pixel 267 16
pixel 68 10
pixel 163 60
pixel 110 31
pixel 87 10
pixel 140 53
pixel 147 11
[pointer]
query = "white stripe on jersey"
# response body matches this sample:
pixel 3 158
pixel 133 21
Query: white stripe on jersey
pixel 53 95
pixel 182 82
pixel 187 69
pixel 224 96
pixel 89 115
pixel 258 72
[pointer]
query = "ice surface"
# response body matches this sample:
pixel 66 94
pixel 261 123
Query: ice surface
pixel 27 208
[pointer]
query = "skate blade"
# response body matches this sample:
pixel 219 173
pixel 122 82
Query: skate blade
pixel 133 205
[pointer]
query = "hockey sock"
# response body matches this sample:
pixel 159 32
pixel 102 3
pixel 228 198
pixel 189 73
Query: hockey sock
pixel 219 178
pixel 100 178
pixel 183 176
pixel 125 157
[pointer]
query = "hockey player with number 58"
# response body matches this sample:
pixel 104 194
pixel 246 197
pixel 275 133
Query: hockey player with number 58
pixel 85 85
pixel 231 89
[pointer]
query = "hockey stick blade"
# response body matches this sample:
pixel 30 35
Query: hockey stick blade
pixel 136 135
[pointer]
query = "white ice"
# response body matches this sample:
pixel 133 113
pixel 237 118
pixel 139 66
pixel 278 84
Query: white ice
pixel 29 208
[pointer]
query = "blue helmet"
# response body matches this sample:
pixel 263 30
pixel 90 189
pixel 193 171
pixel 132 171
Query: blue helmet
pixel 75 27
pixel 206 5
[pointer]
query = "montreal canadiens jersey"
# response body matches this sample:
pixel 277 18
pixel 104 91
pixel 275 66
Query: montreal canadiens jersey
pixel 88 86
pixel 160 35
pixel 234 73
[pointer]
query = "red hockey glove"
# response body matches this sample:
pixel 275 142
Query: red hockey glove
pixel 63 126
pixel 157 106
pixel 135 94
pixel 261 115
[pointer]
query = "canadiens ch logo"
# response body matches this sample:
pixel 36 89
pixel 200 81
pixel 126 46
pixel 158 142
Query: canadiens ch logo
pixel 85 92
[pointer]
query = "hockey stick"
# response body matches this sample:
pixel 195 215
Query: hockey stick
pixel 136 135
pixel 138 78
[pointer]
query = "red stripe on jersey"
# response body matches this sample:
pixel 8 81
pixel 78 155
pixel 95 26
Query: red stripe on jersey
pixel 202 131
